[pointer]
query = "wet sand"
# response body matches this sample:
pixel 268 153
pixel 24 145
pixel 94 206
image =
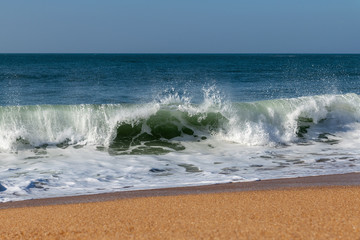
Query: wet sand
pixel 324 207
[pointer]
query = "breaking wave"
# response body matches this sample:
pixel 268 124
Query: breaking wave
pixel 162 126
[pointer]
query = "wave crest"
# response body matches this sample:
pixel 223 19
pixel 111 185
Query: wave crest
pixel 160 127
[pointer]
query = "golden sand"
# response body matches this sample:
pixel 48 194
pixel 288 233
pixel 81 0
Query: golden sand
pixel 303 213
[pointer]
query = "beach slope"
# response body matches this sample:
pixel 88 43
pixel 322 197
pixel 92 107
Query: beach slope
pixel 296 211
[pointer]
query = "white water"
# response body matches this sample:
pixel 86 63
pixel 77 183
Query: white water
pixel 258 141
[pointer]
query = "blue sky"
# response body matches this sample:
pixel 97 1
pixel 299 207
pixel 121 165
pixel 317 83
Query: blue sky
pixel 166 26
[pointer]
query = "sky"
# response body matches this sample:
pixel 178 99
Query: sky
pixel 182 26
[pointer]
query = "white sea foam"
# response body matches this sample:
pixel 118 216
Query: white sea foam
pixel 65 150
pixel 277 121
pixel 83 124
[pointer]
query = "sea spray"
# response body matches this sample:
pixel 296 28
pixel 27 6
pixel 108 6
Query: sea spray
pixel 75 124
pixel 285 120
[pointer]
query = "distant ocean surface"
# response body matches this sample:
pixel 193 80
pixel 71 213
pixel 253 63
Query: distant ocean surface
pixel 75 124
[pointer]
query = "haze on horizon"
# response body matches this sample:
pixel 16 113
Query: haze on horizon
pixel 159 26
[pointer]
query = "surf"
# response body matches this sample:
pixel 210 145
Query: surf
pixel 160 127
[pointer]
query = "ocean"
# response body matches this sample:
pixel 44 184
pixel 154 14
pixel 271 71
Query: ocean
pixel 74 124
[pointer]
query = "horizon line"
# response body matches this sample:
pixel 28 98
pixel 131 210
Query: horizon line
pixel 185 53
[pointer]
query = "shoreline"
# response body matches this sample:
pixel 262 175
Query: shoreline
pixel 347 179
pixel 318 207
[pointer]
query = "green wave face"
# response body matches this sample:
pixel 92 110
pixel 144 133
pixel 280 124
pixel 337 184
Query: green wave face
pixel 154 135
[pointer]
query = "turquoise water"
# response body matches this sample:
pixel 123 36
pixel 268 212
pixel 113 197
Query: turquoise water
pixel 75 124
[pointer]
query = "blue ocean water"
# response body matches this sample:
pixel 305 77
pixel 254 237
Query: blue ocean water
pixel 32 79
pixel 87 123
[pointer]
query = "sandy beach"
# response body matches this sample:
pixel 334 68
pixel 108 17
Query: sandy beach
pixel 323 207
pixel 179 120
